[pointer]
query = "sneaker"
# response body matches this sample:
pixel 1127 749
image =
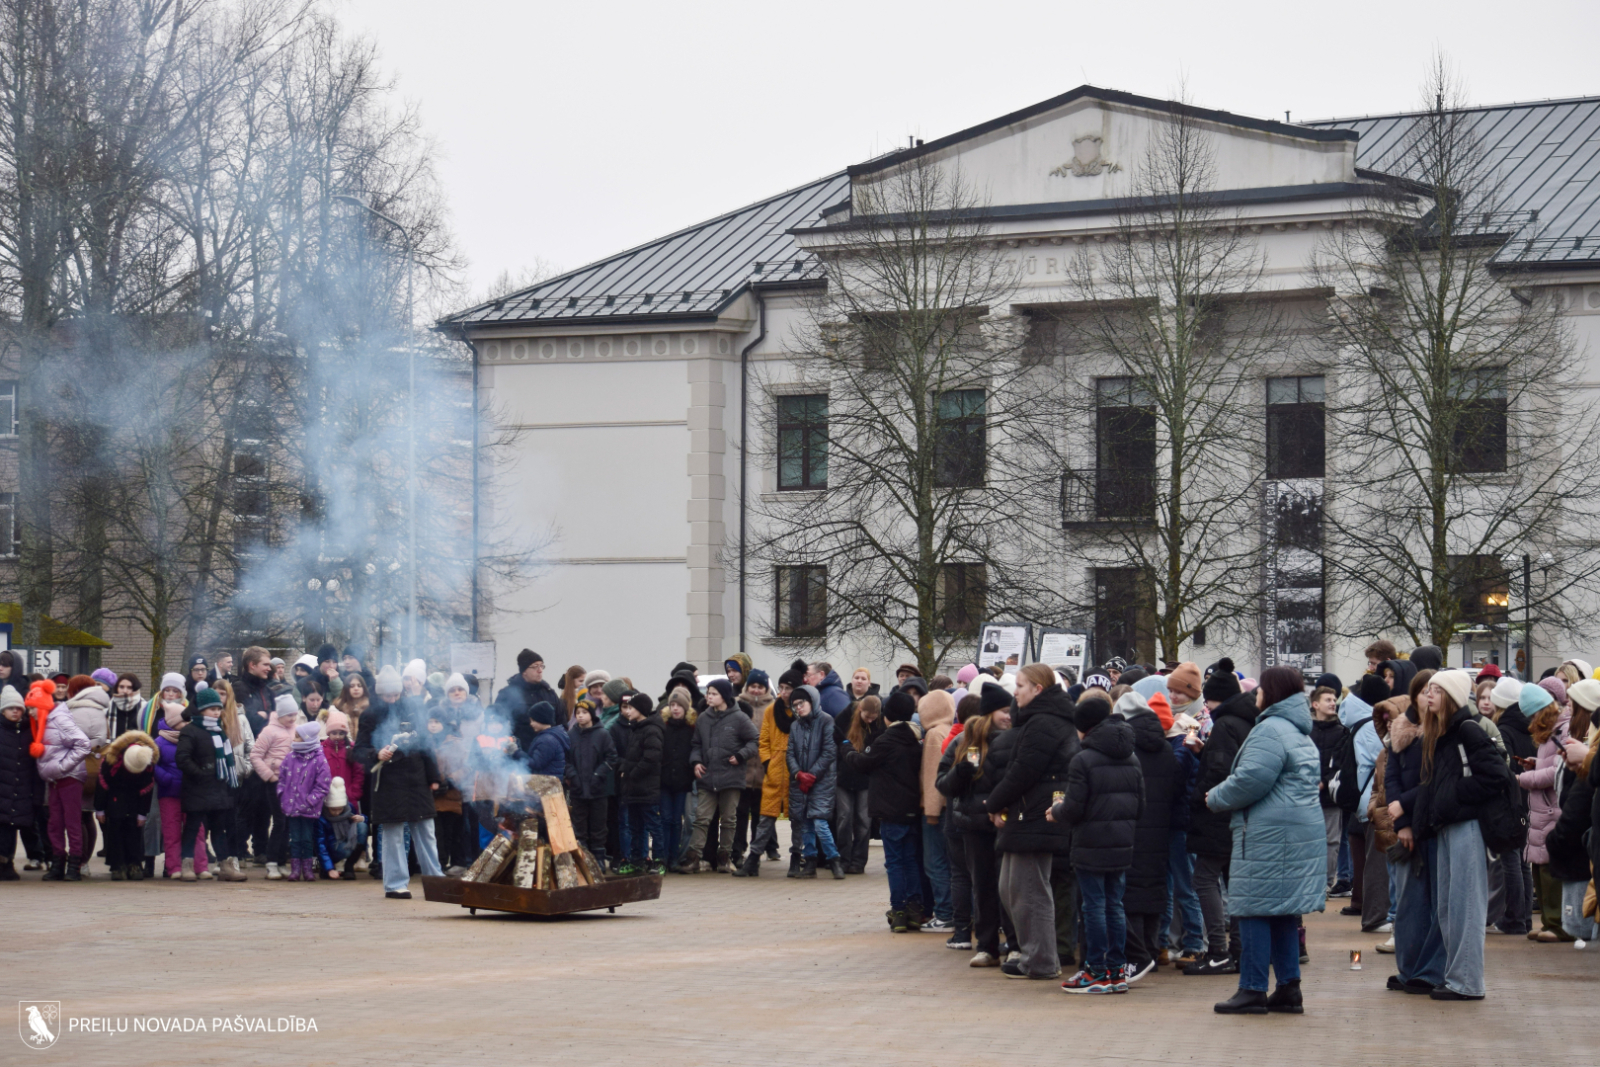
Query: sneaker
pixel 1446 993
pixel 959 942
pixel 1098 984
pixel 1224 965
pixel 1132 974
pixel 1187 958
pixel 1165 958
pixel 1385 928
pixel 937 923
pixel 1013 969
pixel 1387 947
pixel 1349 909
pixel 1339 889
pixel 983 959
pixel 625 870
pixel 274 873
pixel 1013 956
pixel 403 894
pixel 1078 982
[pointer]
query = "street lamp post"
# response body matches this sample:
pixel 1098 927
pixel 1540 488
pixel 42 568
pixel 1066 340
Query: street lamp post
pixel 411 420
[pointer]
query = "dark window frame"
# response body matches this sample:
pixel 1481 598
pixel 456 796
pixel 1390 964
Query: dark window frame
pixel 802 589
pixel 963 599
pixel 961 439
pixel 1125 450
pixel 1481 436
pixel 807 431
pixel 1297 427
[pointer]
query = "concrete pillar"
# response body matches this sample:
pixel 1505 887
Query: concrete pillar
pixel 707 496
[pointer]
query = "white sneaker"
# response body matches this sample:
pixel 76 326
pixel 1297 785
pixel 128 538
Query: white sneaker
pixel 362 865
pixel 1387 948
pixel 983 959
pixel 1386 928
pixel 206 875
pixel 937 923
pixel 273 873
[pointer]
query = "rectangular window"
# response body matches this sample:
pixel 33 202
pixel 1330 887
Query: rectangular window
pixel 1125 450
pixel 8 409
pixel 802 442
pixel 1483 586
pixel 1297 444
pixel 802 598
pixel 960 440
pixel 1480 421
pixel 10 528
pixel 1124 616
pixel 963 598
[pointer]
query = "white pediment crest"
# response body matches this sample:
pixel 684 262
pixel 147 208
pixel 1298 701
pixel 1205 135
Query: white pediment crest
pixel 1086 161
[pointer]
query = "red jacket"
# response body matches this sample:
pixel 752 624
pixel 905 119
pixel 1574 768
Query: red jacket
pixel 342 766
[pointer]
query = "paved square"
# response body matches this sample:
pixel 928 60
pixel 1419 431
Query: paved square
pixel 718 971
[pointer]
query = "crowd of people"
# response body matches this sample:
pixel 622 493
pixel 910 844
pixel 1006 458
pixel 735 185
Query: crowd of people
pixel 1094 829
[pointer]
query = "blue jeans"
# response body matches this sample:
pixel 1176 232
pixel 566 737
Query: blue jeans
pixel 936 864
pixel 1460 901
pixel 302 837
pixel 641 821
pixel 1105 926
pixel 1273 939
pixel 1345 872
pixel 1180 891
pixel 812 831
pixel 396 871
pixel 338 854
pixel 1418 948
pixel 672 809
pixel 900 862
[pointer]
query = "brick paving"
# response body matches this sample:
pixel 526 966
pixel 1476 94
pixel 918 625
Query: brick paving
pixel 718 971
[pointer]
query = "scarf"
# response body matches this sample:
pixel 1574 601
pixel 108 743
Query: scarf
pixel 219 741
pixel 124 714
pixel 173 718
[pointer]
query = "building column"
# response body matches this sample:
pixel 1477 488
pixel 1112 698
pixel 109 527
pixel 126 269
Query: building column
pixel 707 496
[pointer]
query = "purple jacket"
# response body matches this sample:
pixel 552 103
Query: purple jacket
pixel 303 781
pixel 65 748
pixel 169 780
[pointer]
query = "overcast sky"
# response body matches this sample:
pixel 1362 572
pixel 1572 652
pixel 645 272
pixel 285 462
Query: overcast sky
pixel 568 131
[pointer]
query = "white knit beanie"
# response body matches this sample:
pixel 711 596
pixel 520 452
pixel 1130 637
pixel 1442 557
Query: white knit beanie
pixel 172 680
pixel 417 669
pixel 1456 683
pixel 1507 691
pixel 456 681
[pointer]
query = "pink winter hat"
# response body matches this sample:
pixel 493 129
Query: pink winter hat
pixel 966 674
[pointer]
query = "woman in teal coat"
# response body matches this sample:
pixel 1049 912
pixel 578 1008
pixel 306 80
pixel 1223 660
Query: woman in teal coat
pixel 1279 866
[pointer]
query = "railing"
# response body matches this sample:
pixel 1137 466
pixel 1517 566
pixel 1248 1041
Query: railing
pixel 1102 496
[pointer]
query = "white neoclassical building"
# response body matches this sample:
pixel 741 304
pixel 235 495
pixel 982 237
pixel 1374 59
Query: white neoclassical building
pixel 628 381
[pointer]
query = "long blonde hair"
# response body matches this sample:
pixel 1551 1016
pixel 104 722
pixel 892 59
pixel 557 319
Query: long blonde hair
pixel 1433 728
pixel 975 735
pixel 230 714
pixel 858 730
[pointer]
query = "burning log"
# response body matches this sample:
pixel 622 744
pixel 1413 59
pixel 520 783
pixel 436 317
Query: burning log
pixel 492 861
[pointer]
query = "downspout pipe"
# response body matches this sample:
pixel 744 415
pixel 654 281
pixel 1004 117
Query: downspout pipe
pixel 744 447
pixel 474 350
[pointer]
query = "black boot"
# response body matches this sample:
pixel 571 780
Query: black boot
pixel 8 872
pixel 794 865
pixel 1286 998
pixel 149 866
pixel 74 873
pixel 808 867
pixel 724 863
pixel 1244 1002
pixel 837 867
pixel 772 852
pixel 751 868
pixel 57 871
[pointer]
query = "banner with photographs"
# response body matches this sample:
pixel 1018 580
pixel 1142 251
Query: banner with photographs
pixel 1005 643
pixel 1292 586
pixel 1062 648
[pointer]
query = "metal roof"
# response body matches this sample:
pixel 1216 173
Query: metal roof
pixel 1548 155
pixel 693 273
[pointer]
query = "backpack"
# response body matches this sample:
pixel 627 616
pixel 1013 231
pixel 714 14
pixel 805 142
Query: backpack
pixel 1344 783
pixel 1503 820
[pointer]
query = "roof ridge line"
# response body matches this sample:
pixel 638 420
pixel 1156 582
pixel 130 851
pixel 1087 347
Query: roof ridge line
pixel 1550 102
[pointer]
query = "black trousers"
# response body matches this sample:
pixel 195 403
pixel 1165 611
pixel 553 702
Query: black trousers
pixel 278 839
pixel 745 819
pixel 1064 888
pixel 124 841
pixel 955 846
pixel 448 835
pixel 34 838
pixel 1144 938
pixel 255 817
pixel 589 824
pixel 983 870
pixel 8 841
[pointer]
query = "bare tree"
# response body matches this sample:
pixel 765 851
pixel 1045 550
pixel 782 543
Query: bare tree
pixel 1462 437
pixel 918 430
pixel 1174 317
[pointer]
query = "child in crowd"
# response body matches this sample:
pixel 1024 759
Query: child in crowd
pixel 170 717
pixel 60 747
pixel 127 779
pixel 450 753
pixel 640 792
pixel 341 833
pixel 303 782
pixel 591 777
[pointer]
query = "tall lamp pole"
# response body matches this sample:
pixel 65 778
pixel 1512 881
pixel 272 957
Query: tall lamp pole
pixel 411 420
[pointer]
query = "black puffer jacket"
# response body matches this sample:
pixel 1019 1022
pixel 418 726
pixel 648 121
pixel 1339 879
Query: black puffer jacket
pixel 592 763
pixel 853 781
pixel 1146 893
pixel 1042 746
pixel 967 790
pixel 718 737
pixel 1210 832
pixel 1104 799
pixel 1594 816
pixel 677 738
pixel 893 766
pixel 1514 732
pixel 641 762
pixel 1569 857
pixel 196 756
pixel 19 778
pixel 402 790
pixel 1451 795
pixel 1326 735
